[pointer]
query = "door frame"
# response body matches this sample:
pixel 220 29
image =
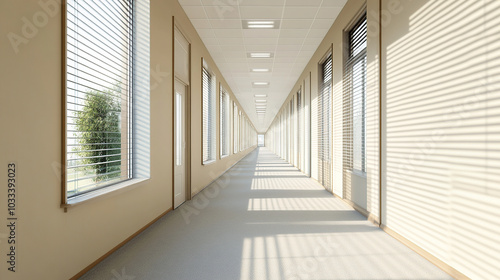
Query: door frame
pixel 187 111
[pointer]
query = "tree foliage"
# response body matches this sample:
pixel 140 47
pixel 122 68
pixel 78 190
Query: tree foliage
pixel 99 134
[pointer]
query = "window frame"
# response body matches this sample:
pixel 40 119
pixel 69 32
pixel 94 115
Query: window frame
pixel 211 115
pixel 224 122
pixel 136 91
pixel 236 128
pixel 350 62
pixel 325 89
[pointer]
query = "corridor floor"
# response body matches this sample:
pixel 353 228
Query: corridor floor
pixel 264 219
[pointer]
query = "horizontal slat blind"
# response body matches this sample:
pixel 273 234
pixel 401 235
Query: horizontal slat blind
pixel 324 122
pixel 290 132
pixel 235 128
pixel 240 131
pixel 224 122
pixel 98 93
pixel 209 145
pixel 299 129
pixel 355 99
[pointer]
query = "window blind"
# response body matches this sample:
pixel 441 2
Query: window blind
pixel 299 129
pixel 224 122
pixel 240 131
pixel 99 48
pixel 209 120
pixel 291 134
pixel 325 122
pixel 354 106
pixel 235 128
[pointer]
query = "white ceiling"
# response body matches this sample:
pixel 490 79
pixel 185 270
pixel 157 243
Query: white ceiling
pixel 304 23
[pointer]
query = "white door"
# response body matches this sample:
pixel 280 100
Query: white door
pixel 179 144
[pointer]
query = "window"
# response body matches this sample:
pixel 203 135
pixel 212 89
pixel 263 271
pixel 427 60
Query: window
pixel 105 97
pixel 225 125
pixel 299 129
pixel 240 130
pixel 325 120
pixel 179 127
pixel 209 117
pixel 98 95
pixel 355 97
pixel 235 128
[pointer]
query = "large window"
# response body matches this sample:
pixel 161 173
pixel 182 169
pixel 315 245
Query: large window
pixel 99 93
pixel 236 130
pixel 209 116
pixel 325 120
pixel 355 96
pixel 225 122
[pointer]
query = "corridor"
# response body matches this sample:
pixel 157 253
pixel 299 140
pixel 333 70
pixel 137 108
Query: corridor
pixel 264 219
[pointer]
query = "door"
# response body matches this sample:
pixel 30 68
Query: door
pixel 179 144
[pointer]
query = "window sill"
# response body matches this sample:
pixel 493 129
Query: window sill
pixel 359 173
pixel 224 156
pixel 208 162
pixel 101 193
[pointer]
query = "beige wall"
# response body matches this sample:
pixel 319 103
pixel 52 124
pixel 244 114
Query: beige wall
pixel 441 82
pixel 439 76
pixel 57 245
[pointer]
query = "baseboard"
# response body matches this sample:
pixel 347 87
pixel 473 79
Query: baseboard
pixel 223 172
pixel 372 218
pixel 428 256
pixel 90 266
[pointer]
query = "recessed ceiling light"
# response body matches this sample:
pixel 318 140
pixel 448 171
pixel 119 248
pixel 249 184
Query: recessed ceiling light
pixel 260 24
pixel 260 95
pixel 260 100
pixel 260 55
pixel 260 69
pixel 260 83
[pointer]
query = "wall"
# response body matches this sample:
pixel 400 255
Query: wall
pixel 57 245
pixel 441 82
pixel 433 83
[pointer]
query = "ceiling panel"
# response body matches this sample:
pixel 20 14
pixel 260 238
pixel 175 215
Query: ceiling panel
pixel 258 12
pixel 261 2
pixel 293 12
pixel 222 12
pixel 302 26
pixel 296 23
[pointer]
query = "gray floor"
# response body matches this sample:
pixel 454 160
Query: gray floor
pixel 264 220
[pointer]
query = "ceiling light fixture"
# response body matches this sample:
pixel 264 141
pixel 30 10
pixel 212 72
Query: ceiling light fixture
pixel 260 55
pixel 260 24
pixel 261 83
pixel 260 95
pixel 260 100
pixel 260 69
